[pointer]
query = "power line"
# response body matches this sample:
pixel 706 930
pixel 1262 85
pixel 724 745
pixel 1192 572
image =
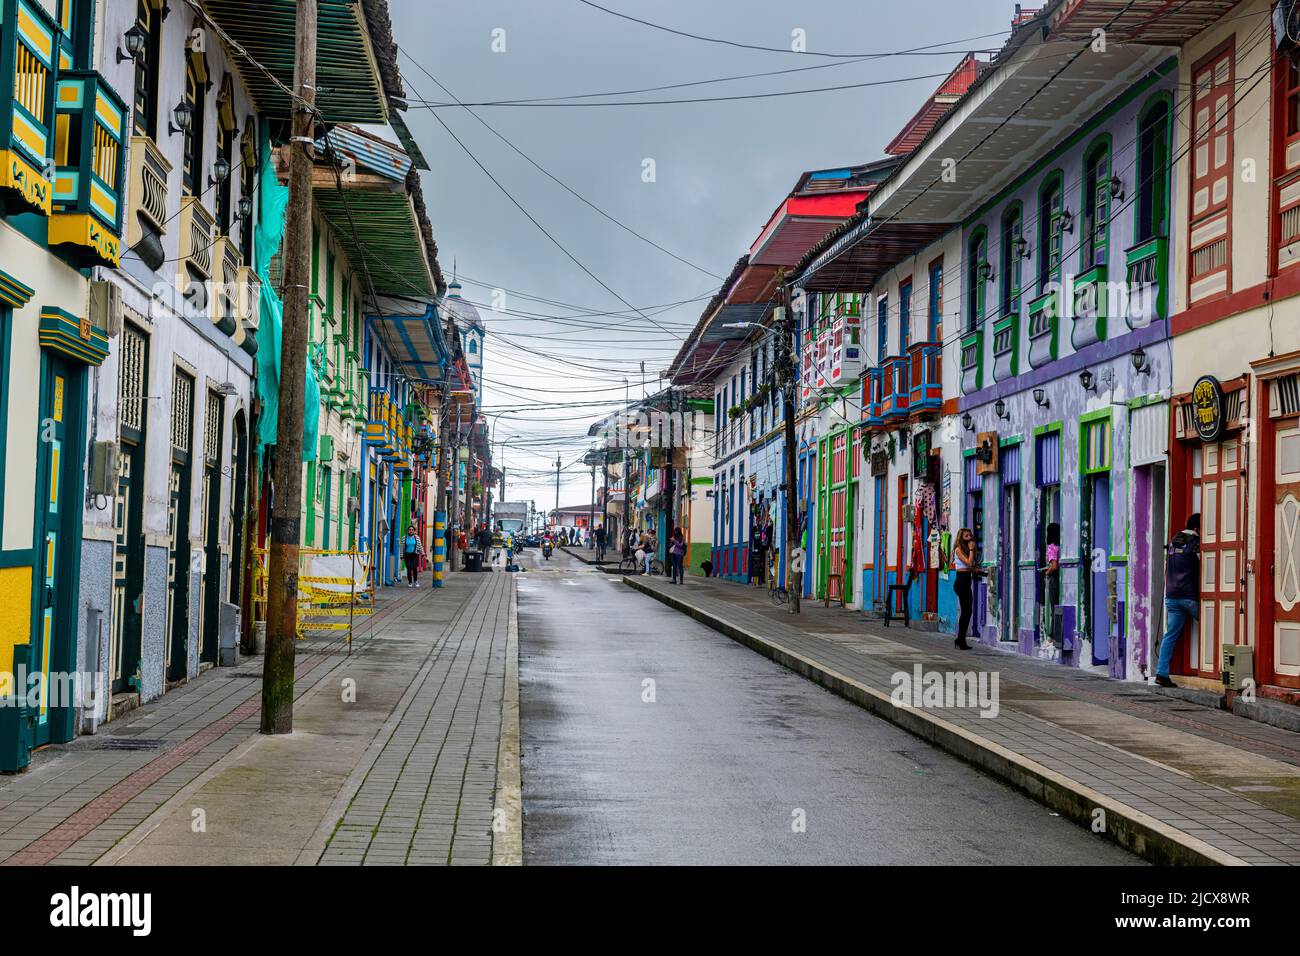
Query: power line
pixel 768 49
pixel 434 105
pixel 559 182
pixel 531 218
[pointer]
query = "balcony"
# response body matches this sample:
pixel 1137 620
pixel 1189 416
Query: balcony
pixel 90 148
pixel 1044 320
pixel 972 362
pixel 1091 305
pixel 379 424
pixel 927 377
pixel 27 51
pixel 896 397
pixel 224 305
pixel 146 217
pixel 249 309
pixel 1147 269
pixel 1006 347
pixel 194 257
pixel 872 396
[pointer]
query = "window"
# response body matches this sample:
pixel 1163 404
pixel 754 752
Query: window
pixel 1210 231
pixel 225 188
pixel 882 328
pixel 77 20
pixel 977 268
pixel 1153 172
pixel 248 190
pixel 936 301
pixel 473 347
pixel 1050 231
pixel 192 161
pixel 145 109
pixel 1096 205
pixel 1286 158
pixel 1012 240
pixel 904 315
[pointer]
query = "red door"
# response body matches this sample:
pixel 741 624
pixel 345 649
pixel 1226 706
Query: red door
pixel 1217 493
pixel 1284 637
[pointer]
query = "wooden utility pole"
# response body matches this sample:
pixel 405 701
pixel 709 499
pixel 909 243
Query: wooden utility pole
pixel 282 583
pixel 786 331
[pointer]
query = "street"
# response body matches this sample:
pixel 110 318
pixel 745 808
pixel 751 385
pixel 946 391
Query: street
pixel 732 753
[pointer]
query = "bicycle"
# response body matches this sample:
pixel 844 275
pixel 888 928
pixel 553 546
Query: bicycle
pixel 630 565
pixel 776 590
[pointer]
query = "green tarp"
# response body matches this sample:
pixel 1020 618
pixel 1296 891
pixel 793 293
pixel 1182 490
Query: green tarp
pixel 270 232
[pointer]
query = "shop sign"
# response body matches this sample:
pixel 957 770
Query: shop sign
pixel 1207 408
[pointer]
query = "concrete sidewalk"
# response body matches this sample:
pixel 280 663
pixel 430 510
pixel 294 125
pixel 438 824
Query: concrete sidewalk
pixel 188 780
pixel 1171 781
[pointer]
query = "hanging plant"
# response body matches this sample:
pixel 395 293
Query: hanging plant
pixel 734 412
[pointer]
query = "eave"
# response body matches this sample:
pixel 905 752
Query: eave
pixel 350 88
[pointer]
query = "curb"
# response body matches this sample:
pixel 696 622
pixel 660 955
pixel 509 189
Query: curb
pixel 1135 831
pixel 508 835
pixel 574 554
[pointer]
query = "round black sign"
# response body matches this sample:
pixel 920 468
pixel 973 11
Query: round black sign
pixel 1207 408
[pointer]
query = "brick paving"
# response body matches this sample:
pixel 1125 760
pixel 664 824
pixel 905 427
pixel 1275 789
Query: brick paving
pixel 77 800
pixel 429 796
pixel 1226 781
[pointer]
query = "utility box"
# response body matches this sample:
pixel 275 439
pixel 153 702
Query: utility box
pixel 1238 666
pixel 228 631
pixel 102 479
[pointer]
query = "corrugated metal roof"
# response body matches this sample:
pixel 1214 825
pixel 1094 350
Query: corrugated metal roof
pixel 349 88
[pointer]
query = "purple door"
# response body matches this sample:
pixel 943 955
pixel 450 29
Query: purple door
pixel 1100 553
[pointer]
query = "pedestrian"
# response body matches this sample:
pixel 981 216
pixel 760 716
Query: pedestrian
pixel 647 549
pixel 963 562
pixel 677 554
pixel 412 552
pixel 1052 580
pixel 1182 592
pixel 600 542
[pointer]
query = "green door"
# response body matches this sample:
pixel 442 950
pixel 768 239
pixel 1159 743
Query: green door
pixel 210 522
pixel 178 527
pixel 57 543
pixel 128 512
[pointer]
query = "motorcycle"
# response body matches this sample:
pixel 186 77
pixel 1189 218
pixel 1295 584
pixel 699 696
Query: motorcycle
pixel 546 550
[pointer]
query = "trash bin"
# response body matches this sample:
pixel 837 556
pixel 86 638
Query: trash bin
pixel 473 560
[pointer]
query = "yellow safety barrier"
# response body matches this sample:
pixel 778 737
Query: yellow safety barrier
pixel 328 599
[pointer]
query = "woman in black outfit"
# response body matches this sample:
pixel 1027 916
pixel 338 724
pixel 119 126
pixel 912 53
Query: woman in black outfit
pixel 963 562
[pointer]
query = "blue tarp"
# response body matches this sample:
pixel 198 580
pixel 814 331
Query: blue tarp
pixel 269 234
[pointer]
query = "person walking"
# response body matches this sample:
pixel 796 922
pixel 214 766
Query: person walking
pixel 677 554
pixel 412 552
pixel 963 562
pixel 600 542
pixel 1182 592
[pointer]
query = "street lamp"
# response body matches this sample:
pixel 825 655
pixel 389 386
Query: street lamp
pixel 134 40
pixel 182 118
pixel 1141 364
pixel 1000 407
pixel 1086 380
pixel 967 422
pixel 220 171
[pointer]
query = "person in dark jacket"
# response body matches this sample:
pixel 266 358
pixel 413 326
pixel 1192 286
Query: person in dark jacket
pixel 1182 592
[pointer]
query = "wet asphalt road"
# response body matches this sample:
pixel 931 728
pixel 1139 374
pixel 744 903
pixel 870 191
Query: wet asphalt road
pixel 731 753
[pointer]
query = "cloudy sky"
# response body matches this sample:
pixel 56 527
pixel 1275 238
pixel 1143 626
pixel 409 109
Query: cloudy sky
pixel 572 328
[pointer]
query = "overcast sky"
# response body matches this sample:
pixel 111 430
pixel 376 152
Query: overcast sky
pixel 719 170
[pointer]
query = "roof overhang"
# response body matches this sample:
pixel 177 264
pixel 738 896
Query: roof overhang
pixel 349 85
pixel 1168 23
pixel 412 333
pixel 1022 106
pixel 799 223
pixel 858 258
pixel 377 225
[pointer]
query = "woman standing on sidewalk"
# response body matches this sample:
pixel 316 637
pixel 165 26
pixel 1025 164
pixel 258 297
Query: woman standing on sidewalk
pixel 412 551
pixel 963 562
pixel 676 554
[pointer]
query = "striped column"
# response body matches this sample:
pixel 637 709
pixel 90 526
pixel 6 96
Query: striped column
pixel 439 546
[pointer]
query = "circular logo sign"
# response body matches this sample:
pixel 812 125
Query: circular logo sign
pixel 1207 408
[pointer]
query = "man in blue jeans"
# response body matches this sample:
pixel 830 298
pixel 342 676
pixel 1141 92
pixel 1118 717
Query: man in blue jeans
pixel 1182 592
